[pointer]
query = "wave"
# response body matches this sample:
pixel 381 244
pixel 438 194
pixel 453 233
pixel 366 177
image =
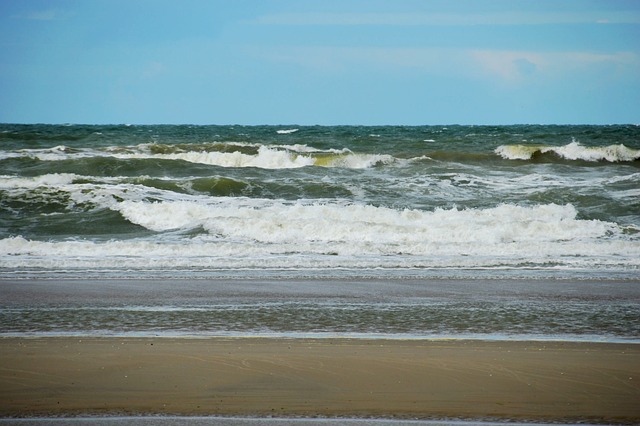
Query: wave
pixel 406 230
pixel 56 153
pixel 231 154
pixel 220 233
pixel 51 179
pixel 273 157
pixel 159 210
pixel 572 151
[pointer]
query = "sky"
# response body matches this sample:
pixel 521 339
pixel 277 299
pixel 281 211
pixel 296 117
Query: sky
pixel 326 62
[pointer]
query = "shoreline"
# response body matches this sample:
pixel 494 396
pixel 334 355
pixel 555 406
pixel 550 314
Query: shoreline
pixel 539 381
pixel 356 337
pixel 394 309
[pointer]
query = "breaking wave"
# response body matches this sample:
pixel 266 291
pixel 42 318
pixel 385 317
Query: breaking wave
pixel 219 154
pixel 261 233
pixel 572 151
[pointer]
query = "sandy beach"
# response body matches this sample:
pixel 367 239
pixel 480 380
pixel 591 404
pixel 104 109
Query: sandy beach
pixel 541 381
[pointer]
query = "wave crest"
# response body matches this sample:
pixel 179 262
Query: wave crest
pixel 571 151
pixel 223 154
pixel 255 233
pixel 279 157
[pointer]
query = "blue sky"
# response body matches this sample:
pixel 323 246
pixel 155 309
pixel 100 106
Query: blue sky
pixel 320 61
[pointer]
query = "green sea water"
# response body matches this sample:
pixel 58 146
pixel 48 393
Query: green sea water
pixel 196 199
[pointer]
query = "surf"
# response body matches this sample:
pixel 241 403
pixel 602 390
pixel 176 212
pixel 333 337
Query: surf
pixel 572 151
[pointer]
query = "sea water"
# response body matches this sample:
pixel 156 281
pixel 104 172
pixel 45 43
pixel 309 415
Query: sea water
pixel 342 203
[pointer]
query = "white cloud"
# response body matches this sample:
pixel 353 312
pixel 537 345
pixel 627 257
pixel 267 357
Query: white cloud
pixel 525 66
pixel 517 66
pixel 510 66
pixel 493 18
pixel 506 67
pixel 326 18
pixel 339 59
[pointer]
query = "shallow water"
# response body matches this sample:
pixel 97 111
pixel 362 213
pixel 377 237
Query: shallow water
pixel 607 311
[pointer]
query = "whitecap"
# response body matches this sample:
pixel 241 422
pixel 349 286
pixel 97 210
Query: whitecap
pixel 611 153
pixel 267 156
pixel 571 151
pixel 254 233
pixel 51 179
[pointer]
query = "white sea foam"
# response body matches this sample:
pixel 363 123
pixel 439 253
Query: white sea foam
pixel 55 153
pixel 571 151
pixel 302 148
pixel 265 156
pixel 41 181
pixel 274 157
pixel 356 161
pixel 4 155
pixel 286 131
pixel 253 233
pixel 266 220
pixel 612 153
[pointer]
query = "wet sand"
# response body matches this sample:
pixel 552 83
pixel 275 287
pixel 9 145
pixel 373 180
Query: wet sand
pixel 427 379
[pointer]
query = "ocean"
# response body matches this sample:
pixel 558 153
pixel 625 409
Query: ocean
pixel 523 231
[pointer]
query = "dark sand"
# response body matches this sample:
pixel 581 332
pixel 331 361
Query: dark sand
pixel 540 381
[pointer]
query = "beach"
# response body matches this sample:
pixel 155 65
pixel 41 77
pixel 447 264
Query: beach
pixel 381 349
pixel 424 379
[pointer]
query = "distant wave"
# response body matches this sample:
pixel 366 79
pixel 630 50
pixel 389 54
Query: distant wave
pixel 269 157
pixel 286 131
pixel 572 151
pixel 279 156
pixel 232 154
